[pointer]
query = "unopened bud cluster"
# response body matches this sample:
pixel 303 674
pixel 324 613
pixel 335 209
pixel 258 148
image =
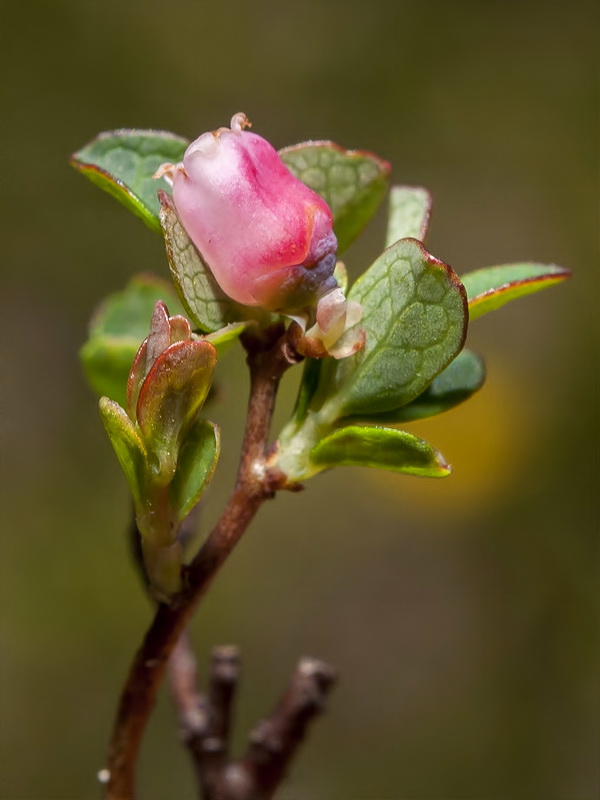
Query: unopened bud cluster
pixel 168 384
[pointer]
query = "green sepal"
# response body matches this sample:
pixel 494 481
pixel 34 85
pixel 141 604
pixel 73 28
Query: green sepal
pixel 312 366
pixel 116 331
pixel 205 302
pixel 459 381
pixel 340 273
pixel 382 448
pixel 492 287
pixel 128 446
pixel 170 398
pixel 122 162
pixel 415 321
pixel 409 209
pixel 196 464
pixel 352 183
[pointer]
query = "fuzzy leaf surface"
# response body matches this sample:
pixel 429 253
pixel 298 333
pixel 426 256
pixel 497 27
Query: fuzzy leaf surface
pixel 352 182
pixel 117 329
pixel 382 448
pixel 196 464
pixel 122 162
pixel 491 287
pixel 408 213
pixel 415 320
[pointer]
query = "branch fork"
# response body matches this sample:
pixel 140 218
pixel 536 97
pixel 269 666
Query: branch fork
pixel 206 719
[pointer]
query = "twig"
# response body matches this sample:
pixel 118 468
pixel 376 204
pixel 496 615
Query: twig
pixel 212 753
pixel 205 720
pixel 224 676
pixel 191 704
pixel 273 743
pixel 268 358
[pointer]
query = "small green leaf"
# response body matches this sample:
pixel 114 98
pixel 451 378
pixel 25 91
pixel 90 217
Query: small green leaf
pixel 461 379
pixel 383 448
pixel 415 320
pixel 117 329
pixel 106 364
pixel 205 301
pixel 492 287
pixel 128 446
pixel 227 334
pixel 196 464
pixel 123 162
pixel 408 215
pixel 127 314
pixel 171 396
pixel 352 182
pixel 308 386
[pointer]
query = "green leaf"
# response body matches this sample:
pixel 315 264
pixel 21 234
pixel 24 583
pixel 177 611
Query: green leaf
pixel 461 379
pixel 128 446
pixel 352 182
pixel 206 303
pixel 383 448
pixel 196 464
pixel 308 386
pixel 170 398
pixel 123 162
pixel 126 314
pixel 227 334
pixel 415 320
pixel 117 329
pixel 408 214
pixel 492 287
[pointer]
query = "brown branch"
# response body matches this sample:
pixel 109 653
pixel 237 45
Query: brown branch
pixel 191 704
pixel 224 676
pixel 205 720
pixel 212 754
pixel 274 741
pixel 268 358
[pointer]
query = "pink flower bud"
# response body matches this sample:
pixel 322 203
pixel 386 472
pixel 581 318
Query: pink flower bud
pixel 267 238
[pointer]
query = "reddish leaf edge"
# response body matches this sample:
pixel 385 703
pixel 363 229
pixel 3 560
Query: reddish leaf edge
pixel 384 165
pixel 561 274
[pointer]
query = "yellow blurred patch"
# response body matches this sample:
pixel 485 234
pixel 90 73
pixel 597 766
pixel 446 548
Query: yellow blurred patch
pixel 485 439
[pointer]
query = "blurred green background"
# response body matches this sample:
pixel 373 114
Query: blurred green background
pixel 462 614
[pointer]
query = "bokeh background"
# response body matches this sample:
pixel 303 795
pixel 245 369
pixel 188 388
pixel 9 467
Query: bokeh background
pixel 461 614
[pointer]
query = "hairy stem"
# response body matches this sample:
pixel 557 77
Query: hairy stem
pixel 268 358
